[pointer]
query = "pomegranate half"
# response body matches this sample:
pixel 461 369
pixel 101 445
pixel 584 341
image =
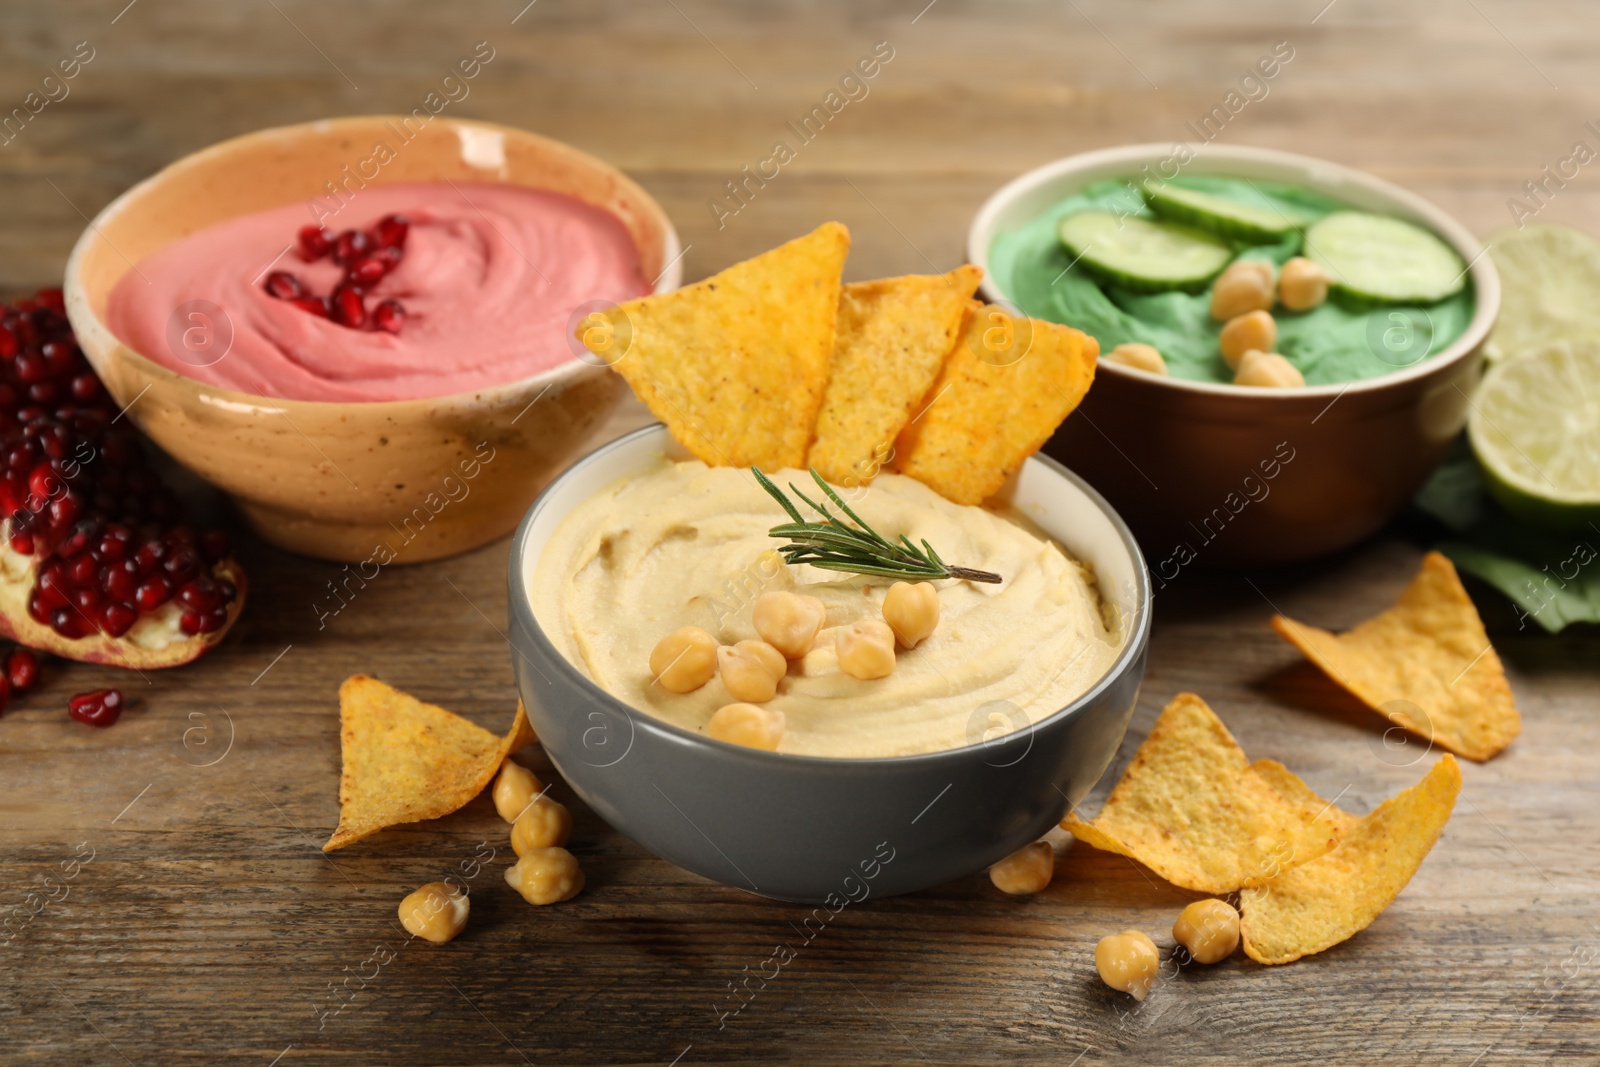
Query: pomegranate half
pixel 96 563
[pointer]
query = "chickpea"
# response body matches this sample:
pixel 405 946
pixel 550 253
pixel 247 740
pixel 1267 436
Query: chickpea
pixel 1256 330
pixel 1209 929
pixel 1128 962
pixel 684 660
pixel 437 912
pixel 1139 357
pixel 546 876
pixel 1267 370
pixel 912 611
pixel 546 824
pixel 513 789
pixel 1302 285
pixel 1244 287
pixel 788 621
pixel 751 670
pixel 748 725
pixel 865 649
pixel 1026 871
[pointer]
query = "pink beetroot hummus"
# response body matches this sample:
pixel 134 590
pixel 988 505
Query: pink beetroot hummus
pixel 489 281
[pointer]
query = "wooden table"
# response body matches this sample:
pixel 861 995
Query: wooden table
pixel 208 927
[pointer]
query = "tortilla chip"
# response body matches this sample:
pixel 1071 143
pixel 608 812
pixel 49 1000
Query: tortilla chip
pixel 1425 664
pixel 1191 808
pixel 1289 786
pixel 406 761
pixel 892 338
pixel 735 365
pixel 1321 903
pixel 1002 392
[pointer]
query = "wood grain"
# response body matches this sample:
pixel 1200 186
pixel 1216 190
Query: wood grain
pixel 208 927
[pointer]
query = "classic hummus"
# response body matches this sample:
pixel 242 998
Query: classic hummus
pixel 687 545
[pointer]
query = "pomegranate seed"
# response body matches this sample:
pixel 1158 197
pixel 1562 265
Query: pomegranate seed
pixel 31 367
pixel 99 708
pixel 389 315
pixel 181 565
pixel 60 357
pixel 117 619
pixel 43 482
pixel 316 305
pixel 22 669
pixel 152 593
pixel 389 257
pixel 200 594
pixel 8 342
pixel 391 231
pixel 149 556
pixel 350 246
pixel 22 544
pixel 347 307
pixel 314 242
pixel 366 271
pixel 214 620
pixel 5 692
pixel 284 286
pixel 87 601
pixel 54 299
pixel 82 569
pixel 64 509
pixel 67 622
pixel 191 622
pixel 120 580
pixel 85 387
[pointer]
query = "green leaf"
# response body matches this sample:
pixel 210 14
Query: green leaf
pixel 1553 578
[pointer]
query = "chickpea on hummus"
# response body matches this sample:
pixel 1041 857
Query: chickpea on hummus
pixel 687 545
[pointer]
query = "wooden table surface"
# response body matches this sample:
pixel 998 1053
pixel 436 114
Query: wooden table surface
pixel 207 927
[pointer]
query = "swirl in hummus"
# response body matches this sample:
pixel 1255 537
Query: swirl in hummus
pixel 490 277
pixel 687 545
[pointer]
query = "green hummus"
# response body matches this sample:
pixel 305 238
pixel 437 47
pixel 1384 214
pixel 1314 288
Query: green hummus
pixel 1333 343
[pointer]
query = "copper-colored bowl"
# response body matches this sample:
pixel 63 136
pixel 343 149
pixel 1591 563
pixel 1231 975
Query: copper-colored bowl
pixel 1229 475
pixel 343 480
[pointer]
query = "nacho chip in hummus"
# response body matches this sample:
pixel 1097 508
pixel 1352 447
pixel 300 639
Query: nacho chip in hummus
pixel 736 364
pixel 1002 392
pixel 892 338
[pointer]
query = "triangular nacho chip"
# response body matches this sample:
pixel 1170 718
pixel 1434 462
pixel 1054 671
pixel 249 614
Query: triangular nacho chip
pixel 1191 808
pixel 1425 664
pixel 1320 903
pixel 1290 787
pixel 1002 392
pixel 735 365
pixel 892 338
pixel 406 761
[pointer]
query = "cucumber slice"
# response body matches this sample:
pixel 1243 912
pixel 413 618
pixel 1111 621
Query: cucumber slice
pixel 1384 259
pixel 1140 254
pixel 1225 218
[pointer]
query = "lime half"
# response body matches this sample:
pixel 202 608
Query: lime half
pixel 1549 276
pixel 1535 426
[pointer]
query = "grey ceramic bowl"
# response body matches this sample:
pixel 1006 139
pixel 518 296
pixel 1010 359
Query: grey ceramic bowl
pixel 803 828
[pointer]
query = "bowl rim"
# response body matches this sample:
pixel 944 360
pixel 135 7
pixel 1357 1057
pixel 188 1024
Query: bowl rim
pixel 1485 278
pixel 78 307
pixel 520 607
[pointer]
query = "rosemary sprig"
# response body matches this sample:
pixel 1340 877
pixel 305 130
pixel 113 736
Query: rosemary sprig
pixel 835 545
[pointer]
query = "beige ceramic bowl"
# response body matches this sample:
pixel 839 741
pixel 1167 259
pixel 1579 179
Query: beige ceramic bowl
pixel 1226 474
pixel 340 480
